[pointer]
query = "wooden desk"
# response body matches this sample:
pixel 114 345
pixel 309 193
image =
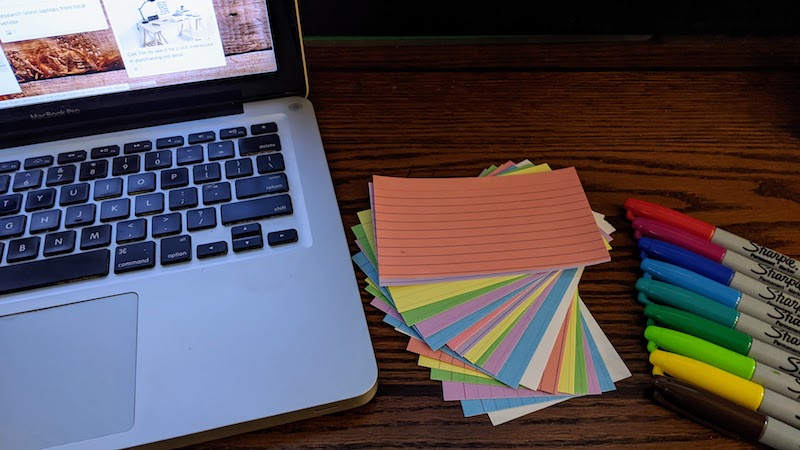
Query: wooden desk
pixel 711 127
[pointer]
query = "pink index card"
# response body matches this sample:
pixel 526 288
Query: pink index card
pixel 552 371
pixel 429 228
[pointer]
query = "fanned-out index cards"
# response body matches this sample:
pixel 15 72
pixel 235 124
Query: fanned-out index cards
pixel 436 229
pixel 482 274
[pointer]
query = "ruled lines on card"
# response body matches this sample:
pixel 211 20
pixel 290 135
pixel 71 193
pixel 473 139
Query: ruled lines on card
pixel 460 227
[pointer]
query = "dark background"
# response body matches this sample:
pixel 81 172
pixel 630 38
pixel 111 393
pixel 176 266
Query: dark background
pixel 532 17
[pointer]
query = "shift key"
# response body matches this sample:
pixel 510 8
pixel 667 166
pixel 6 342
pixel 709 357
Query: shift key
pixel 260 208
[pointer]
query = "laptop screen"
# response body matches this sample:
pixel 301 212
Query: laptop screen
pixel 57 50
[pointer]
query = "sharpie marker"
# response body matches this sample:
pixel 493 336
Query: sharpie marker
pixel 706 231
pixel 721 294
pixel 667 294
pixel 664 251
pixel 728 386
pixel 722 358
pixel 725 337
pixel 735 261
pixel 723 415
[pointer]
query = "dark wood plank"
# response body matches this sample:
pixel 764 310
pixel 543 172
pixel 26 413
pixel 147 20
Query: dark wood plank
pixel 720 145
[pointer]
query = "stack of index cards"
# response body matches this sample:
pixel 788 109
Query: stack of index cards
pixel 482 275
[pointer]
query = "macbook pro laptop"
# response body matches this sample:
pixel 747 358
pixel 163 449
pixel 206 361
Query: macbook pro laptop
pixel 173 265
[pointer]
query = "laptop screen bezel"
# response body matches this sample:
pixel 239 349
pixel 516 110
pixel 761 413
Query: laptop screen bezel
pixel 132 109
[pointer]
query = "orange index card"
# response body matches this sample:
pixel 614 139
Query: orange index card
pixel 432 229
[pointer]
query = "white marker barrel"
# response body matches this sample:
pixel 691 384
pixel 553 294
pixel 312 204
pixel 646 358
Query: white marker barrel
pixel 765 293
pixel 755 252
pixel 781 408
pixel 777 381
pixel 761 272
pixel 775 357
pixel 769 314
pixel 768 334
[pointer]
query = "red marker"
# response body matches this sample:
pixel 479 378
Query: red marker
pixel 642 209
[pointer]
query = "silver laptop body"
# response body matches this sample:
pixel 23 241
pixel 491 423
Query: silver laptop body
pixel 192 334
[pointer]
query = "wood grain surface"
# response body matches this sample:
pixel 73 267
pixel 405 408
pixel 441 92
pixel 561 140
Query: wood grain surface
pixel 716 138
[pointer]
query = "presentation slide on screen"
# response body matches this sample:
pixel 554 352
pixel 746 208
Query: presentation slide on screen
pixel 166 36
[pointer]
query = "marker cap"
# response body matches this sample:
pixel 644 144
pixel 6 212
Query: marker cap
pixel 696 348
pixel 667 294
pixel 698 326
pixel 676 236
pixel 673 254
pixel 691 281
pixel 640 208
pixel 704 376
pixel 708 409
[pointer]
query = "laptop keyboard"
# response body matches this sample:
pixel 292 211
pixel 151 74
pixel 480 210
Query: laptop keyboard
pixel 61 216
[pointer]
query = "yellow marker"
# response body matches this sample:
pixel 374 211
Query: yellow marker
pixel 738 390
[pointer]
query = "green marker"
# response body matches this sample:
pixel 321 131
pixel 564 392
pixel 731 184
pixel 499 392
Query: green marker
pixel 722 358
pixel 724 337
pixel 667 294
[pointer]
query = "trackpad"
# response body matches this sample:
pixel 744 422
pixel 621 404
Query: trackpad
pixel 68 374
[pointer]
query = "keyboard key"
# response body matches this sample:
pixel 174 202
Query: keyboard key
pixel 201 138
pixel 183 198
pixel 10 204
pixel 93 170
pixel 95 237
pixel 238 168
pixel 125 165
pixel 5 182
pixel 174 141
pixel 264 128
pixel 56 176
pixel 74 194
pixel 270 163
pixel 37 162
pixel 265 184
pixel 44 221
pixel 200 219
pixel 105 152
pixel 229 133
pixel 137 147
pixel 110 188
pixel 157 160
pixel 9 166
pixel 71 157
pixel 216 193
pixel 212 249
pixel 176 250
pixel 52 271
pixel 131 230
pixel 78 216
pixel 207 173
pixel 59 243
pixel 41 199
pixel 251 229
pixel 28 180
pixel 260 208
pixel 141 182
pixel 174 178
pixel 150 204
pixel 282 237
pixel 259 144
pixel 115 209
pixel 135 257
pixel 189 155
pixel 248 243
pixel 220 150
pixel 12 226
pixel 166 225
pixel 23 249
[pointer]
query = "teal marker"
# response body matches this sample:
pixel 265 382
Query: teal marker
pixel 722 358
pixel 724 337
pixel 667 294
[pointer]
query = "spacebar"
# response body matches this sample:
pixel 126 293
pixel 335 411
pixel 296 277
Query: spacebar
pixel 47 272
